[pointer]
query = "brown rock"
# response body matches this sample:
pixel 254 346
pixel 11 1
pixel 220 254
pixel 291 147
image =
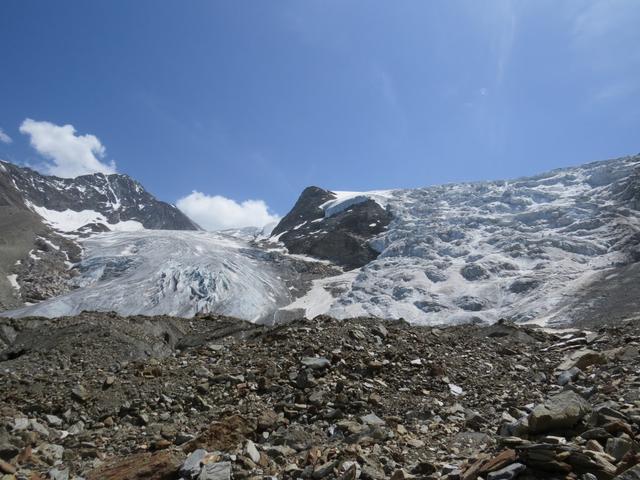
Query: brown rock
pixel 163 465
pixel 582 359
pixel 7 467
pixel 224 436
pixel 267 420
pixel 504 458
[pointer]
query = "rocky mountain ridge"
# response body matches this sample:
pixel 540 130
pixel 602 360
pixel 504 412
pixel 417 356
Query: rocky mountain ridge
pixel 114 198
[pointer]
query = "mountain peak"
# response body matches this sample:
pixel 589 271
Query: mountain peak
pixel 113 197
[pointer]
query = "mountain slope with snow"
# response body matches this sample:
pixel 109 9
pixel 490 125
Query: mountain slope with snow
pixel 42 217
pixel 558 248
pixel 104 202
pixel 521 249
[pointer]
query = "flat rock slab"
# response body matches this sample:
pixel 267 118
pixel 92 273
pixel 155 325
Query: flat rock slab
pixel 582 359
pixel 163 465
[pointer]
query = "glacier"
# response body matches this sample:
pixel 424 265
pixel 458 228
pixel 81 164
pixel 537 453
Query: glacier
pixel 476 252
pixel 165 272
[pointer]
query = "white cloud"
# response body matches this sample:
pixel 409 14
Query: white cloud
pixel 4 138
pixel 218 213
pixel 70 154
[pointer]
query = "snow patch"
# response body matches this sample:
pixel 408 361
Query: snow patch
pixel 13 280
pixel 69 220
pixel 345 200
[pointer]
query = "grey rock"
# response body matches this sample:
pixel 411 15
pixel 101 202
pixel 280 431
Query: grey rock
pixel 618 447
pixel 324 470
pixel 252 451
pixel 372 420
pixel 51 452
pixel 38 427
pixel 53 420
pixel 202 372
pixel 582 359
pixel 558 412
pixel 315 363
pixel 80 393
pixel 507 473
pixel 57 474
pixel 192 465
pixel 380 331
pixel 568 375
pixel 317 398
pixel 216 471
pixel 632 474
pixel 77 428
pixel 20 424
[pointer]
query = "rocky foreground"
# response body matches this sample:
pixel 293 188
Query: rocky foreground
pixel 102 397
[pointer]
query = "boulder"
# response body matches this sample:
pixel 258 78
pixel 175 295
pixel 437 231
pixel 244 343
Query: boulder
pixel 507 473
pixel 558 412
pixel 315 363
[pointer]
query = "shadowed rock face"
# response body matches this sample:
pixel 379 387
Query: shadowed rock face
pixel 342 238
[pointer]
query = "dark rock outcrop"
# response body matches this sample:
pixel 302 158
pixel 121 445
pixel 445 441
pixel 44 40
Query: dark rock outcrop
pixel 343 238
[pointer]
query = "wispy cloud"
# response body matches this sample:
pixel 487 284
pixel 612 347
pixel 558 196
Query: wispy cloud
pixel 506 34
pixel 70 155
pixel 4 138
pixel 605 35
pixel 385 86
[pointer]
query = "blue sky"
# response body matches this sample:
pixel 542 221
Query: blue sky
pixel 256 100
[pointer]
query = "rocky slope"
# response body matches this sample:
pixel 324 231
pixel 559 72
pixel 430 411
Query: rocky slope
pixel 93 202
pixel 104 397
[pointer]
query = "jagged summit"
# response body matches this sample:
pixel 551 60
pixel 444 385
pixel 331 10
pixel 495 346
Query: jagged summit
pixel 116 197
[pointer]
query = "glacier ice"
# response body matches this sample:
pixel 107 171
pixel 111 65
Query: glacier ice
pixel 518 249
pixel 168 272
